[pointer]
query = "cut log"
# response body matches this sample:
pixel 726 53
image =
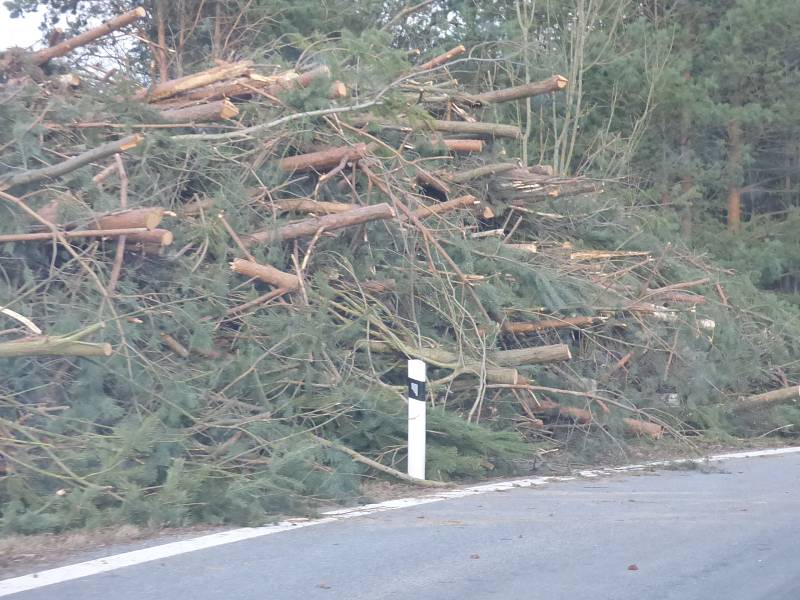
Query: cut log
pixel 71 164
pixel 65 345
pixel 501 358
pixel 463 146
pixel 488 129
pixel 149 218
pixel 310 227
pixel 445 207
pixel 174 87
pixel 579 415
pixel 767 399
pixel 477 172
pixel 152 237
pixel 530 248
pixel 438 61
pixel 429 180
pixel 642 428
pixel 380 287
pixel 42 56
pixel 553 84
pixel 530 356
pixel 265 273
pixel 250 84
pixel 564 323
pixel 322 160
pixel 201 113
pixel 307 205
pixel 174 345
pixel 302 80
pixel 338 90
pixel 75 234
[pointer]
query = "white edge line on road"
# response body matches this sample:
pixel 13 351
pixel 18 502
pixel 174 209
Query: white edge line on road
pixel 136 557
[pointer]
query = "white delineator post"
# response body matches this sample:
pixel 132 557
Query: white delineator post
pixel 416 419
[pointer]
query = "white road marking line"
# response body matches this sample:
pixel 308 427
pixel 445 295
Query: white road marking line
pixel 137 557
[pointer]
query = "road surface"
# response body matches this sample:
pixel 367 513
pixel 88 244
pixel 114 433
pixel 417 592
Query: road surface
pixel 732 534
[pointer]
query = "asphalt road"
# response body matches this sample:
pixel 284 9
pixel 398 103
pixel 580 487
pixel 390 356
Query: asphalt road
pixel 731 534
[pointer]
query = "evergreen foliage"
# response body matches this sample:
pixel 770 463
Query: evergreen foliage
pixel 230 433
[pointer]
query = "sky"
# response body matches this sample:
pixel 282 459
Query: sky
pixel 18 32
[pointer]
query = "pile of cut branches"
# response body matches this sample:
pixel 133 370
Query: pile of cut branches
pixel 210 287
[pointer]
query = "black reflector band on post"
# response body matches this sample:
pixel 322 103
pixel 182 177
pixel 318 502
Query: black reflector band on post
pixel 416 390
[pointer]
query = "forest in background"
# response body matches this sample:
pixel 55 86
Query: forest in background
pixel 635 251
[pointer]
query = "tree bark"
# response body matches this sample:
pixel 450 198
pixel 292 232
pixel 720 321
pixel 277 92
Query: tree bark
pixel 67 46
pixel 201 113
pixel 554 84
pixel 71 164
pixel 310 227
pixel 322 160
pixel 265 273
pixel 768 399
pixel 174 87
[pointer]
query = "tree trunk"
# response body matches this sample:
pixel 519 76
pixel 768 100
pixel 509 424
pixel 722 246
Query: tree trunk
pixel 310 227
pixel 201 113
pixel 687 181
pixel 554 84
pixel 735 164
pixel 67 46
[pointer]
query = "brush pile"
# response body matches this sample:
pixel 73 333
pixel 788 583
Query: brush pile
pixel 210 286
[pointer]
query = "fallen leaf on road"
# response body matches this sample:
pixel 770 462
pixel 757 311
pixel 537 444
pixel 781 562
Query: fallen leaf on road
pixel 474 555
pixel 324 586
pixel 633 568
